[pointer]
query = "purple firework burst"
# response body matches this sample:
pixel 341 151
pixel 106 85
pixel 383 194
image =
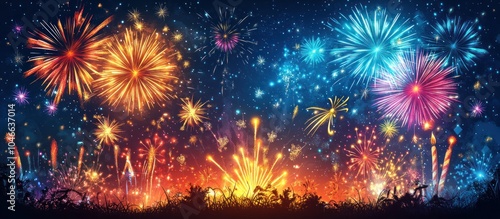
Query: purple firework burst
pixel 225 38
pixel 416 88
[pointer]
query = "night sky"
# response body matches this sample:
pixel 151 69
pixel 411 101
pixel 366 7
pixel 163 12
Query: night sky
pixel 268 76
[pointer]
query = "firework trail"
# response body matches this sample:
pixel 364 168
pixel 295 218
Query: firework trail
pixel 152 151
pixel 67 56
pixel 116 151
pixel 80 159
pixel 417 90
pixel 53 154
pixel 18 162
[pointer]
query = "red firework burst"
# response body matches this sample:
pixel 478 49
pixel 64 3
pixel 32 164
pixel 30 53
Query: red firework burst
pixel 416 89
pixel 65 57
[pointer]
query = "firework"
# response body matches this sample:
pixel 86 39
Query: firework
pixel 258 93
pixel 252 174
pixel 136 73
pixel 53 154
pixel 476 167
pixel 477 108
pixel 446 163
pixel 364 155
pixel 192 114
pixel 152 150
pixel 116 151
pixel 295 112
pixel 134 15
pixel 68 177
pixel 390 173
pixel 457 42
pixel 368 42
pixel 107 132
pixel 261 60
pixel 21 96
pixel 19 165
pixel 417 91
pixel 322 115
pixel 229 36
pixel 389 128
pixel 50 108
pixel 80 159
pixel 312 51
pixel 162 11
pixel 66 56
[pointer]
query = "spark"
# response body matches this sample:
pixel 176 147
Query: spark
pixel 192 114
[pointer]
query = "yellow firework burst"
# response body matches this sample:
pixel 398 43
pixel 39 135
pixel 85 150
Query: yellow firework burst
pixel 137 73
pixel 192 113
pixel 107 132
pixel 134 15
pixel 322 115
pixel 161 11
pixel 389 128
pixel 252 173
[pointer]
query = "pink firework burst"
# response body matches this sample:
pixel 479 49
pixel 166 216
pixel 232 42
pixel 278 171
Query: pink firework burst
pixel 21 96
pixel 51 108
pixel 416 89
pixel 477 108
pixel 225 37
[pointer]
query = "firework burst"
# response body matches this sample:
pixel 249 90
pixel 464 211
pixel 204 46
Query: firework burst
pixel 137 72
pixel 229 36
pixel 389 128
pixel 364 155
pixel 322 115
pixel 251 174
pixel 152 151
pixel 107 131
pixel 418 89
pixel 368 42
pixel 457 42
pixel 65 57
pixel 21 96
pixel 312 51
pixel 192 114
pixel 477 108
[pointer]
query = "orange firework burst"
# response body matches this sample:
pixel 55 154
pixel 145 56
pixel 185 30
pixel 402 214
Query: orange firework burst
pixel 364 155
pixel 136 73
pixel 107 131
pixel 66 56
pixel 192 113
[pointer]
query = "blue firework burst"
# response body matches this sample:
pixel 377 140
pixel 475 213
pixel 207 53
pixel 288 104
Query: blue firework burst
pixel 367 42
pixel 312 51
pixel 457 42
